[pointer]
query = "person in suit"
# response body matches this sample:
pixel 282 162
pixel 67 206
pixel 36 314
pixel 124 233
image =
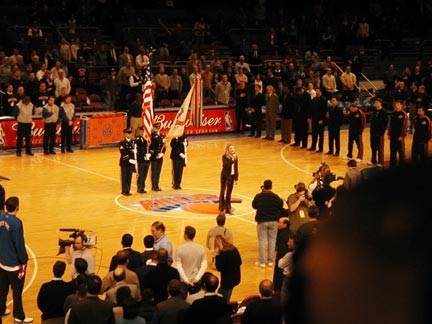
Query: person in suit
pixel 127 161
pixel 229 177
pixel 158 278
pixel 264 310
pixel 212 308
pixel 174 308
pixel 272 108
pixel 135 258
pixel 178 157
pixel 92 310
pixel 52 295
pixel 258 102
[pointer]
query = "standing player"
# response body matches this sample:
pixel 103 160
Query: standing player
pixel 178 157
pixel 422 135
pixel 13 260
pixel 143 159
pixel 127 161
pixel 357 122
pixel 229 177
pixel 378 126
pixel 23 112
pixel 396 133
pixel 157 151
pixel 335 120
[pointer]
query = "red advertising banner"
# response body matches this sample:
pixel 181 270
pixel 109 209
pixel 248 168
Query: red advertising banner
pixel 214 120
pixel 108 129
pixel 8 132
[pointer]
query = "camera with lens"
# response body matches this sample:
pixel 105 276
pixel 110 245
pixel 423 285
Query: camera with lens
pixel 89 239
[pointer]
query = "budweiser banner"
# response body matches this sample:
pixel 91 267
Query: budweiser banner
pixel 217 119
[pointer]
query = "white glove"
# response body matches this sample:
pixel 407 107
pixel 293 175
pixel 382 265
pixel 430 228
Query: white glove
pixel 159 156
pixel 182 155
pixel 147 156
pixel 132 161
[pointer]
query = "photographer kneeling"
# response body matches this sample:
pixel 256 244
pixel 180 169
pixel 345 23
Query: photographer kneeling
pixel 298 204
pixel 80 251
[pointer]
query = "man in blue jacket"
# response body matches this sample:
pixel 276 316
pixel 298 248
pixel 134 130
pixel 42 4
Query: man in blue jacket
pixel 13 260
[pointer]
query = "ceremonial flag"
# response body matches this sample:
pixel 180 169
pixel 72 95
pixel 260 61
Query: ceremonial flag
pixel 197 103
pixel 147 109
pixel 179 122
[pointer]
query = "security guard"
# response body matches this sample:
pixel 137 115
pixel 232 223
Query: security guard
pixel 157 151
pixel 127 161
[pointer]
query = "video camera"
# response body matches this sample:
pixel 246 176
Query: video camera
pixel 89 239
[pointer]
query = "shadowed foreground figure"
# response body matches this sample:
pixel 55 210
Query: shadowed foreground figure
pixel 370 262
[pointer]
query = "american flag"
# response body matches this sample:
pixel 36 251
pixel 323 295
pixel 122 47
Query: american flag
pixel 147 106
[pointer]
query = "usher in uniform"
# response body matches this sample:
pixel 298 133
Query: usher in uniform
pixel 126 153
pixel 143 160
pixel 178 157
pixel 157 151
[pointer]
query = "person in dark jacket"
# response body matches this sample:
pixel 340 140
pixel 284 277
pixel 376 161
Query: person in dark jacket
pixel 229 177
pixel 301 116
pixel 422 135
pixel 396 133
pixel 258 102
pixel 228 262
pixel 269 208
pixel 178 157
pixel 335 119
pixel 378 126
pixel 318 114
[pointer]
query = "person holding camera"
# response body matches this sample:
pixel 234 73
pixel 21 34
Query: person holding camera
pixel 298 205
pixel 80 251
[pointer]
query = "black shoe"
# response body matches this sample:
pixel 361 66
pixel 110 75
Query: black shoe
pixel 319 151
pixel 303 147
pixel 157 189
pixel 281 141
pixel 52 152
pixel 63 151
pixel 336 154
pixel 311 149
pixel 251 135
pixel 271 138
pixel 46 152
pixel 141 191
pixel 29 153
pixel 329 153
pixel 126 194
pixel 266 138
pixel 295 144
pixel 69 150
pixel 18 153
pixel 257 136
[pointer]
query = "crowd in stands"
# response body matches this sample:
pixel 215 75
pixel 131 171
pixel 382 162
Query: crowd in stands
pixel 288 57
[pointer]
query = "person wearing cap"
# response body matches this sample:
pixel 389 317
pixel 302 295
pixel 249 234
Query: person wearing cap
pixel 178 157
pixel 269 208
pixel 396 133
pixel 143 159
pixel 157 151
pixel 378 126
pixel 298 205
pixel 23 112
pixel 127 161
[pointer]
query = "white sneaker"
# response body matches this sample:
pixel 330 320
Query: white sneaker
pixel 370 163
pixel 25 320
pixel 270 264
pixel 261 265
pixel 6 312
pixel 358 160
pixel 346 158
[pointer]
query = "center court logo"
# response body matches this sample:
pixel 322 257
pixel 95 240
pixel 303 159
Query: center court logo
pixel 194 203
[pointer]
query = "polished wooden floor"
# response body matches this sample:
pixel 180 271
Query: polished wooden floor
pixel 81 190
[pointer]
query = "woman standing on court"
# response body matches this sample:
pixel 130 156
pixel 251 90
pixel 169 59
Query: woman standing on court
pixel 229 177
